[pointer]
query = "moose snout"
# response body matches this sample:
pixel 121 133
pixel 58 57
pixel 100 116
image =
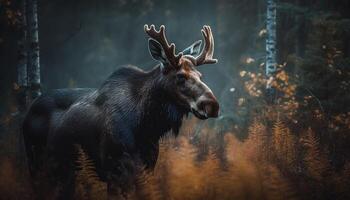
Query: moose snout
pixel 209 105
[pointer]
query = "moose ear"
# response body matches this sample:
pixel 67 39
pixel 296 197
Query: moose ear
pixel 156 51
pixel 194 49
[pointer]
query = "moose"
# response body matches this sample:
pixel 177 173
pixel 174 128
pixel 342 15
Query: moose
pixel 126 116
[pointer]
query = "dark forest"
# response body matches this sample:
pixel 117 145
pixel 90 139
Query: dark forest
pixel 269 120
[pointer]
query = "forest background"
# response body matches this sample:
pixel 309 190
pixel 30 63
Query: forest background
pixel 295 147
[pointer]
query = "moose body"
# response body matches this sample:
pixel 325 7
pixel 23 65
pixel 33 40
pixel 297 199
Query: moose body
pixel 126 116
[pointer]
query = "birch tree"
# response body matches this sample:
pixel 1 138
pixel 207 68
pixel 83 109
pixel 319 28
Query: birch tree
pixel 33 50
pixel 271 63
pixel 22 79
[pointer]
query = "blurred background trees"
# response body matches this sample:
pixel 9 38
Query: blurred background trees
pixel 312 76
pixel 310 117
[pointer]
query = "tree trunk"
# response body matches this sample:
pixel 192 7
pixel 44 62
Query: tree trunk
pixel 271 38
pixel 22 79
pixel 33 51
pixel 22 82
pixel 271 63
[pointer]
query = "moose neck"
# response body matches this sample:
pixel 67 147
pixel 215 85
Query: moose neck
pixel 139 109
pixel 145 108
pixel 160 113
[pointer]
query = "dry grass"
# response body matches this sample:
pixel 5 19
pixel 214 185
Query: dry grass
pixel 272 163
pixel 267 165
pixel 244 173
pixel 88 185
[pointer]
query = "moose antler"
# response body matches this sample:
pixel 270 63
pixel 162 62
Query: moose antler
pixel 160 37
pixel 206 56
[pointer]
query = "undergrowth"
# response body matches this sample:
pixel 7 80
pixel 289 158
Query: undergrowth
pixel 271 163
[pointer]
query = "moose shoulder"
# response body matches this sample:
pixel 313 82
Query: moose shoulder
pixel 127 115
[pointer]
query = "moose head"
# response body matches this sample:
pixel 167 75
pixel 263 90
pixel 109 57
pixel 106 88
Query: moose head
pixel 179 74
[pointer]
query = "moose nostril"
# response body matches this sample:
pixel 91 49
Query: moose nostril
pixel 214 109
pixel 210 107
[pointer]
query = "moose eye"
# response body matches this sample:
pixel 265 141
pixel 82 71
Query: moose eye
pixel 180 78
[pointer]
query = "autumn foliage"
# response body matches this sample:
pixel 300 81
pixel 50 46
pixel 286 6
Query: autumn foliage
pixel 273 162
pixel 276 160
pixel 267 165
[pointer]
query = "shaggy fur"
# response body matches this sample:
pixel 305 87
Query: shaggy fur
pixel 124 118
pixel 121 121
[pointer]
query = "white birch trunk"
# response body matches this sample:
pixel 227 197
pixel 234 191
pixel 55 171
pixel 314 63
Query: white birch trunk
pixel 271 63
pixel 33 51
pixel 22 78
pixel 22 51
